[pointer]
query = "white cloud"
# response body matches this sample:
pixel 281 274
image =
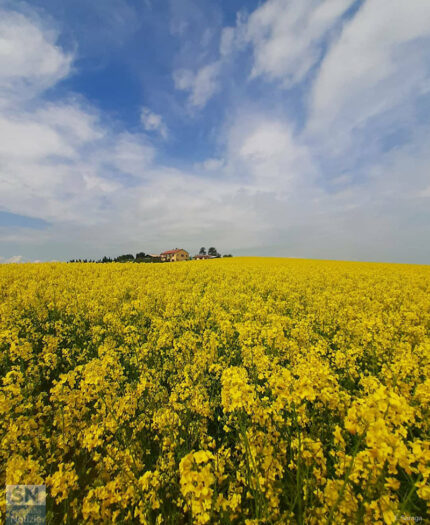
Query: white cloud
pixel 227 40
pixel 13 259
pixel 286 36
pixel 201 85
pixel 30 61
pixel 153 122
pixel 270 140
pixel 58 160
pixel 78 123
pixel 379 62
pixel 49 130
pixel 132 153
pixel 23 137
pixel 268 154
pixel 211 164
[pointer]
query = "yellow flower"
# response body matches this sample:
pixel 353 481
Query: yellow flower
pixel 243 390
pixel 197 479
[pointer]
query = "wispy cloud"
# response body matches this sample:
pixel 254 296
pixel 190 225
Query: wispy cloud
pixel 13 259
pixel 153 122
pixel 287 36
pixel 30 60
pixel 201 85
pixel 379 62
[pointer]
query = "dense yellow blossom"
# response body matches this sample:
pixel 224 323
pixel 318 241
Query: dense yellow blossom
pixel 246 390
pixel 197 479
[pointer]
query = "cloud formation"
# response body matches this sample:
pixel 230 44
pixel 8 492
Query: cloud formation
pixel 201 85
pixel 30 60
pixel 380 61
pixel 348 179
pixel 287 36
pixel 153 122
pixel 13 259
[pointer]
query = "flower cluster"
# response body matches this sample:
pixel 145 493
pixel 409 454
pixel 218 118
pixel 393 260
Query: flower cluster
pixel 197 478
pixel 245 390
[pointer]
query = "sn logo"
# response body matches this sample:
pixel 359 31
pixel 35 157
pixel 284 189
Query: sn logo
pixel 25 495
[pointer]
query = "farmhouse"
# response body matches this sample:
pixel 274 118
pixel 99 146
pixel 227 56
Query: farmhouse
pixel 203 256
pixel 175 255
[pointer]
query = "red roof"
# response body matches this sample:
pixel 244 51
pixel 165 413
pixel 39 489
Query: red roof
pixel 172 251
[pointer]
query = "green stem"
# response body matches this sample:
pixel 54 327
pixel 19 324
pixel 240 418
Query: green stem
pixel 408 497
pixel 345 482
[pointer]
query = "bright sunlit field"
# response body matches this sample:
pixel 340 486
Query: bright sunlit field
pixel 247 390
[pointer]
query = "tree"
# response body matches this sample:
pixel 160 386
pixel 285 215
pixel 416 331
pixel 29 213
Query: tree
pixel 212 251
pixel 125 258
pixel 202 251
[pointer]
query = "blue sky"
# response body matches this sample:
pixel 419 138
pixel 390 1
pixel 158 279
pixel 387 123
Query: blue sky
pixel 286 128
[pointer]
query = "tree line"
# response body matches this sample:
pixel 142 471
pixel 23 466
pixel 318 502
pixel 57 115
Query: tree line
pixel 142 257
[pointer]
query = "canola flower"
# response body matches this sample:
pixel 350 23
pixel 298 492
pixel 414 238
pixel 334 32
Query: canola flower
pixel 248 390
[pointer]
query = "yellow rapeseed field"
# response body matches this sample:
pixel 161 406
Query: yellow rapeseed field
pixel 244 390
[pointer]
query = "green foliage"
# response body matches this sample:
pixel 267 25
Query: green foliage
pixel 125 258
